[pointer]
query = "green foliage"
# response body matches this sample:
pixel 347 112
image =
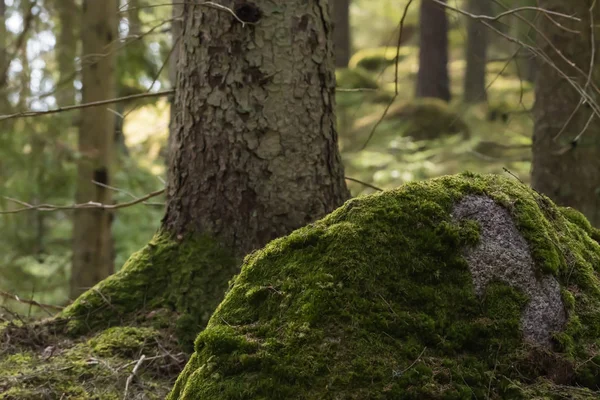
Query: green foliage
pixel 39 157
pixel 376 301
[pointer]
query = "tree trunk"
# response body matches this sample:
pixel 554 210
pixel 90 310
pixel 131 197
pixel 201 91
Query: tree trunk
pixel 3 60
pixel 92 255
pixel 432 79
pixel 255 144
pixel 176 31
pixel 476 52
pixel 66 50
pixel 567 168
pixel 341 32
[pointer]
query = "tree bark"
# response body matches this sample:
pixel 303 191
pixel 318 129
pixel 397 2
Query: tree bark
pixel 567 168
pixel 476 52
pixel 3 59
pixel 92 255
pixel 341 32
pixel 176 32
pixel 432 78
pixel 66 50
pixel 255 146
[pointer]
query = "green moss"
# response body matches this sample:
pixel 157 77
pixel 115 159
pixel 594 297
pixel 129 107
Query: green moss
pixel 155 306
pixel 376 59
pixel 376 301
pixel 186 278
pixel 355 78
pixel 94 367
pixel 127 341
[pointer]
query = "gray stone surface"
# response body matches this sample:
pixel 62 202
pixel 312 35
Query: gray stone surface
pixel 503 255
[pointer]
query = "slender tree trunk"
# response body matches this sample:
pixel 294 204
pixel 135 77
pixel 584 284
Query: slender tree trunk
pixel 432 79
pixel 92 255
pixel 3 60
pixel 476 52
pixel 255 144
pixel 176 32
pixel 341 32
pixel 66 50
pixel 566 167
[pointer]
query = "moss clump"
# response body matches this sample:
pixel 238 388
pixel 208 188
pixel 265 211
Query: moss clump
pixel 168 276
pixel 154 307
pixel 429 119
pixel 377 58
pixel 376 301
pixel 94 367
pixel 355 78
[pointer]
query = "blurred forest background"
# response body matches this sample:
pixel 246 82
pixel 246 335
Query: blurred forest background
pixel 446 95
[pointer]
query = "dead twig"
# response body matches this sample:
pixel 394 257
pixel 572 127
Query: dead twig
pixel 132 375
pixel 85 206
pixel 43 306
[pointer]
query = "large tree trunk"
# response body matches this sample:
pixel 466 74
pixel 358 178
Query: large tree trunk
pixel 341 32
pixel 564 168
pixel 432 79
pixel 92 249
pixel 255 144
pixel 476 52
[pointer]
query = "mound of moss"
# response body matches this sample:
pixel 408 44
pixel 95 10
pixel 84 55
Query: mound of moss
pixel 153 308
pixel 355 78
pixel 377 58
pixel 422 119
pixel 461 287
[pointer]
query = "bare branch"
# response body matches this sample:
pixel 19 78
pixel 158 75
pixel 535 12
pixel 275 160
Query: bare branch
pixel 30 302
pixel 28 114
pixel 363 183
pixel 83 206
pixel 505 13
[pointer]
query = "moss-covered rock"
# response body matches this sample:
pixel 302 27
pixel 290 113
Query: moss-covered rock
pixel 422 120
pixel 355 78
pixel 154 307
pixel 461 287
pixel 377 58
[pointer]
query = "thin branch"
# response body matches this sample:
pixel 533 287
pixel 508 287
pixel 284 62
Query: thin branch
pixel 30 302
pixel 133 374
pixel 396 89
pixel 363 183
pixel 28 114
pixel 83 206
pixel 505 13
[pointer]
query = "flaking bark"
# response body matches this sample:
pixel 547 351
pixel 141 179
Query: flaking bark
pixel 255 146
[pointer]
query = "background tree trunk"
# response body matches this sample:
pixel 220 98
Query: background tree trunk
pixel 476 52
pixel 3 60
pixel 432 79
pixel 255 144
pixel 66 50
pixel 341 32
pixel 567 172
pixel 92 249
pixel 176 32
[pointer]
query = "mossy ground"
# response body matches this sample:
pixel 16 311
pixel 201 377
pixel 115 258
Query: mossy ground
pixel 376 301
pixel 155 306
